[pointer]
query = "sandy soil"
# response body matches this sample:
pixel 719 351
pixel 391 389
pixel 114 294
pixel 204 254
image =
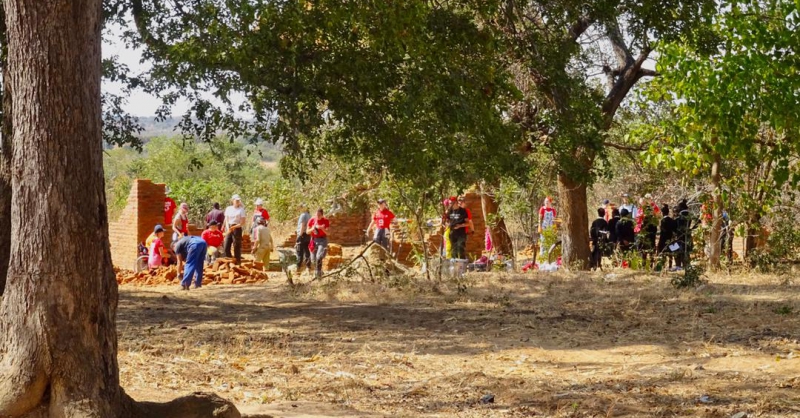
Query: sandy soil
pixel 544 345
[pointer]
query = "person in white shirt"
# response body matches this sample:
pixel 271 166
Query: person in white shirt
pixel 235 216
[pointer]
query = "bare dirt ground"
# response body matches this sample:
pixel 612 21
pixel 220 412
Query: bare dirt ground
pixel 598 345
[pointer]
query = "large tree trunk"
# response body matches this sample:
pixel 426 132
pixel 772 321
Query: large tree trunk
pixel 498 232
pixel 5 164
pixel 575 223
pixel 58 356
pixel 715 249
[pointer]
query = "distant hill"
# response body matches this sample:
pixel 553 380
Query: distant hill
pixel 167 128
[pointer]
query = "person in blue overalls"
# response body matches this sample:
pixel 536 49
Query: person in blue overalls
pixel 192 251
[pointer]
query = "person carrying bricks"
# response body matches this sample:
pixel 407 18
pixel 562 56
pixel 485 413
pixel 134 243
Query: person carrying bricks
pixel 303 239
pixel 235 217
pixel 192 252
pixel 262 242
pixel 318 227
pixel 381 220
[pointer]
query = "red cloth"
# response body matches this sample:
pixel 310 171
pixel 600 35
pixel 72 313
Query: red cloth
pixel 263 212
pixel 383 218
pixel 213 238
pixel 184 226
pixel 318 233
pixel 169 210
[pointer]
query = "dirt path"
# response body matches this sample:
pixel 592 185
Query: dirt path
pixel 542 345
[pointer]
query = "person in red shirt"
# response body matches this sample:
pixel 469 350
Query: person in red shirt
pixel 318 227
pixel 213 238
pixel 180 223
pixel 382 221
pixel 259 212
pixel 169 208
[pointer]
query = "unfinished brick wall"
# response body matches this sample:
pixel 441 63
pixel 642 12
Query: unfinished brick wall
pixel 143 211
pixel 346 229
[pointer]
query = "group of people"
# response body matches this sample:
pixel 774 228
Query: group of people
pixel 652 231
pixel 222 236
pixel 224 232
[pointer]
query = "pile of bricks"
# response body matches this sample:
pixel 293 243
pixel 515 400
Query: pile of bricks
pixel 222 271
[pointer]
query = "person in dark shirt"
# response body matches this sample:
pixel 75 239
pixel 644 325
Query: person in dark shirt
pixel 458 220
pixel 599 235
pixel 215 215
pixel 624 228
pixel 683 235
pixel 666 235
pixel 192 251
pixel 612 231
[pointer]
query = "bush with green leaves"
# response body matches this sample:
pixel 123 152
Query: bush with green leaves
pixel 199 174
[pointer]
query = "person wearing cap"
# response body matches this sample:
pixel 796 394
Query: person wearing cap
pixel 262 242
pixel 191 251
pixel 235 217
pixel 382 221
pixel 156 250
pixel 213 238
pixel 180 223
pixel 216 215
pixel 169 206
pixel 318 227
pixel 259 211
pixel 303 239
pixel 459 223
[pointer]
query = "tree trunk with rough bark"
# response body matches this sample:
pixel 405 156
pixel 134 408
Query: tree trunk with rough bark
pixel 5 180
pixel 575 223
pixel 58 356
pixel 715 244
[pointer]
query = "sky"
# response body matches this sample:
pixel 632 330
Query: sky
pixel 139 103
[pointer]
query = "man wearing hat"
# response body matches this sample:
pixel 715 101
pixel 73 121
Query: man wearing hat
pixel 235 217
pixel 382 220
pixel 303 239
pixel 259 211
pixel 191 251
pixel 262 242
pixel 213 238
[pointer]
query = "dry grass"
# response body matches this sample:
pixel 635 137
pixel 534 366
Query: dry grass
pixel 544 345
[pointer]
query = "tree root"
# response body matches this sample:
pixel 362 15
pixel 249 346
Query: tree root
pixel 21 388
